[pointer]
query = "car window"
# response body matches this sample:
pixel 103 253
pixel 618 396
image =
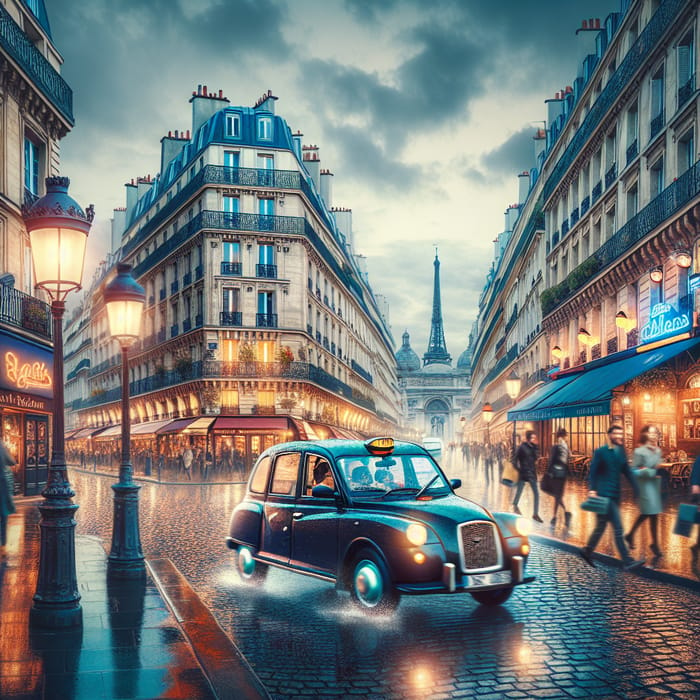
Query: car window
pixel 261 472
pixel 317 467
pixel 284 477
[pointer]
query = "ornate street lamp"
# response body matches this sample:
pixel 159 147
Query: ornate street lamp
pixel 487 417
pixel 513 384
pixel 124 298
pixel 58 229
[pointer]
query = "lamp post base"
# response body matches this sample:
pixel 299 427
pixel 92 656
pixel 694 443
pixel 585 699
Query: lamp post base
pixel 57 601
pixel 126 557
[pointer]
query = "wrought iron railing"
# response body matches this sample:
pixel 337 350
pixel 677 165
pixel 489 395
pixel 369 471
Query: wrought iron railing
pixel 231 318
pixel 632 151
pixel 231 268
pixel 23 311
pixel 585 205
pixel 657 123
pixel 15 42
pixel 186 279
pixel 610 175
pixel 596 191
pixel 174 329
pixel 266 320
pixel 267 271
pixel 686 91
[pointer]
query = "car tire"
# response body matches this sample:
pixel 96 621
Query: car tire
pixel 371 589
pixel 496 597
pixel 249 570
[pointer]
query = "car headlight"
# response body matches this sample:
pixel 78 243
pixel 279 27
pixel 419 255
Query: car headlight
pixel 417 534
pixel 523 526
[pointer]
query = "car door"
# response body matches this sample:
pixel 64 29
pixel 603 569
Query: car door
pixel 279 506
pixel 315 521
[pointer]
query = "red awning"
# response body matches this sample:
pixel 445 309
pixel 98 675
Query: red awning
pixel 251 423
pixel 176 426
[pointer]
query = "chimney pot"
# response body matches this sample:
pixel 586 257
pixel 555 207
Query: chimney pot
pixel 584 24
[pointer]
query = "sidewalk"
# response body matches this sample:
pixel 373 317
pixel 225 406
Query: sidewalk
pixel 675 566
pixel 152 638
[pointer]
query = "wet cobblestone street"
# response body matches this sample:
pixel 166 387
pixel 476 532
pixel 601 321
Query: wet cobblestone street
pixel 574 632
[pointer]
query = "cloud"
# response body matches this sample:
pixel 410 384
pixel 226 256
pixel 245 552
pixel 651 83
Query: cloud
pixel 512 156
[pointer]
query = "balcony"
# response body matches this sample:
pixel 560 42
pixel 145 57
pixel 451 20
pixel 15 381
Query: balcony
pixel 325 299
pixel 39 71
pixel 266 271
pixel 357 367
pixel 187 279
pixel 186 325
pixel 198 272
pixel 161 295
pixel 596 192
pixel 333 348
pixel 686 91
pixel 632 151
pixel 564 227
pixel 574 217
pixel 174 329
pixel 160 336
pixel 585 205
pixel 23 311
pixel 555 239
pixel 266 320
pixel 657 123
pixel 310 284
pixel 318 336
pixel 198 320
pixel 326 344
pixel 174 287
pixel 309 330
pixel 610 175
pixel 231 318
pixel 231 268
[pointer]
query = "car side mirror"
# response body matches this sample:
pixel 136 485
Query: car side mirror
pixel 322 491
pixel 455 483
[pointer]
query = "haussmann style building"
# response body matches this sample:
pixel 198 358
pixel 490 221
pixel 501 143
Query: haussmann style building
pixel 260 324
pixel 592 298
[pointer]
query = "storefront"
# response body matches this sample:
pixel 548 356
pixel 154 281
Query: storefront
pixel 26 404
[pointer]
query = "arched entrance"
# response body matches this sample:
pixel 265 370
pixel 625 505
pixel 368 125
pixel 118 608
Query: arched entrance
pixel 436 417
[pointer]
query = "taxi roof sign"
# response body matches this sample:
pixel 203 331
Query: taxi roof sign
pixel 380 445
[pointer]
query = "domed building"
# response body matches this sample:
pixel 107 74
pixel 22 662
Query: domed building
pixel 436 395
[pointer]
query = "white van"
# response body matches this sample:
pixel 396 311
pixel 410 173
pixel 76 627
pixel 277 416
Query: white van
pixel 434 446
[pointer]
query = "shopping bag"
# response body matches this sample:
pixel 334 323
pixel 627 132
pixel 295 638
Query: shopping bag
pixel 688 515
pixel 596 504
pixel 546 483
pixel 511 475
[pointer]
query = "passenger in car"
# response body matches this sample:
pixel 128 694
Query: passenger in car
pixel 360 477
pixel 323 475
pixel 384 479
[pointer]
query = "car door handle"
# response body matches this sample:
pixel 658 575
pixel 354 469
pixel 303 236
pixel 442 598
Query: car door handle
pixel 297 515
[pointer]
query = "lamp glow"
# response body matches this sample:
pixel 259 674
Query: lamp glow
pixel 487 413
pixel 513 383
pixel 585 337
pixel 622 320
pixel 656 274
pixel 557 352
pixel 124 300
pixel 682 258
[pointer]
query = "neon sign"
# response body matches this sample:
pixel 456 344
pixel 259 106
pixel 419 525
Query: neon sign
pixel 664 321
pixel 26 375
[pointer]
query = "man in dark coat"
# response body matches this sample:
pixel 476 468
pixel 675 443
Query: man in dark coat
pixel 526 464
pixel 609 463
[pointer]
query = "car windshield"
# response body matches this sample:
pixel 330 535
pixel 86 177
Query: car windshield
pixel 404 474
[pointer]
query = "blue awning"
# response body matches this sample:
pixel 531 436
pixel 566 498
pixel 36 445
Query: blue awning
pixel 588 393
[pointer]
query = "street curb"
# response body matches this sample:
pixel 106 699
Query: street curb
pixel 151 480
pixel 227 670
pixel 644 572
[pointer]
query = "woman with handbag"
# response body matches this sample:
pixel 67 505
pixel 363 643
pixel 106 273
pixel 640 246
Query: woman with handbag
pixel 644 463
pixel 557 472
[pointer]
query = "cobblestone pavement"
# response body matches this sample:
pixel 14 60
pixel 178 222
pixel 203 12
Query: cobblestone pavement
pixel 575 632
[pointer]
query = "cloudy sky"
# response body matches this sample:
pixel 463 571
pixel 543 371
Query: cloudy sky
pixel 424 112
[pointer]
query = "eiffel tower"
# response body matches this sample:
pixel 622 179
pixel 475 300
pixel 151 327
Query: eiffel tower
pixel 437 349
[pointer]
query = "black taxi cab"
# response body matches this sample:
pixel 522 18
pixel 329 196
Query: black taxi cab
pixel 378 518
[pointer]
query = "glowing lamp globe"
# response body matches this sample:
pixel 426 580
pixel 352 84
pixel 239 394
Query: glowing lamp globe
pixel 487 413
pixel 124 299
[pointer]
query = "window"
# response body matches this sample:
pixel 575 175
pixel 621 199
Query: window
pixel 632 126
pixel 232 252
pixel 266 303
pixel 657 102
pixel 265 128
pixel 266 254
pixel 265 350
pixel 686 151
pixel 266 166
pixel 686 63
pixel 284 479
pixel 231 297
pixel 229 350
pixel 233 125
pixel 632 201
pixel 656 178
pixel 231 159
pixel 260 476
pixel 31 166
pixel 231 204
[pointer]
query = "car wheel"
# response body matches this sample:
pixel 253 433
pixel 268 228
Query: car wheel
pixel 496 597
pixel 249 570
pixel 370 584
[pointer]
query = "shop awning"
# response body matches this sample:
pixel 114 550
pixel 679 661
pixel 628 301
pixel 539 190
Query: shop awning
pixel 590 391
pixel 150 428
pixel 175 426
pixel 113 431
pixel 251 423
pixel 199 426
pixel 86 433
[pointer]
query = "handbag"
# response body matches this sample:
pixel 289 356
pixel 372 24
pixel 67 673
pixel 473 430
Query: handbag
pixel 596 504
pixel 510 474
pixel 688 515
pixel 547 483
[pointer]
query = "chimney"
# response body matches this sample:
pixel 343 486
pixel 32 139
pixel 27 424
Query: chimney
pixel 361 262
pixel 143 185
pixel 343 220
pixel 327 187
pixel 523 186
pixel 170 146
pixel 266 103
pixel 205 105
pixel 118 228
pixel 512 214
pixel 131 199
pixel 297 143
pixel 555 107
pixel 540 139
pixel 312 162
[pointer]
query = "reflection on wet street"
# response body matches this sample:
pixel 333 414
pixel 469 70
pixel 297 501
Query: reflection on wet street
pixel 575 632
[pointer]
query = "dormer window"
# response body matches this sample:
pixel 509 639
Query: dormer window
pixel 233 126
pixel 264 128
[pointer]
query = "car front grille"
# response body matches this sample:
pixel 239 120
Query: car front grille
pixel 480 546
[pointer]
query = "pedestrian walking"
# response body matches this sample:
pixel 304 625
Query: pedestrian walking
pixel 695 498
pixel 7 503
pixel 558 471
pixel 645 460
pixel 187 459
pixel 526 464
pixel 609 463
